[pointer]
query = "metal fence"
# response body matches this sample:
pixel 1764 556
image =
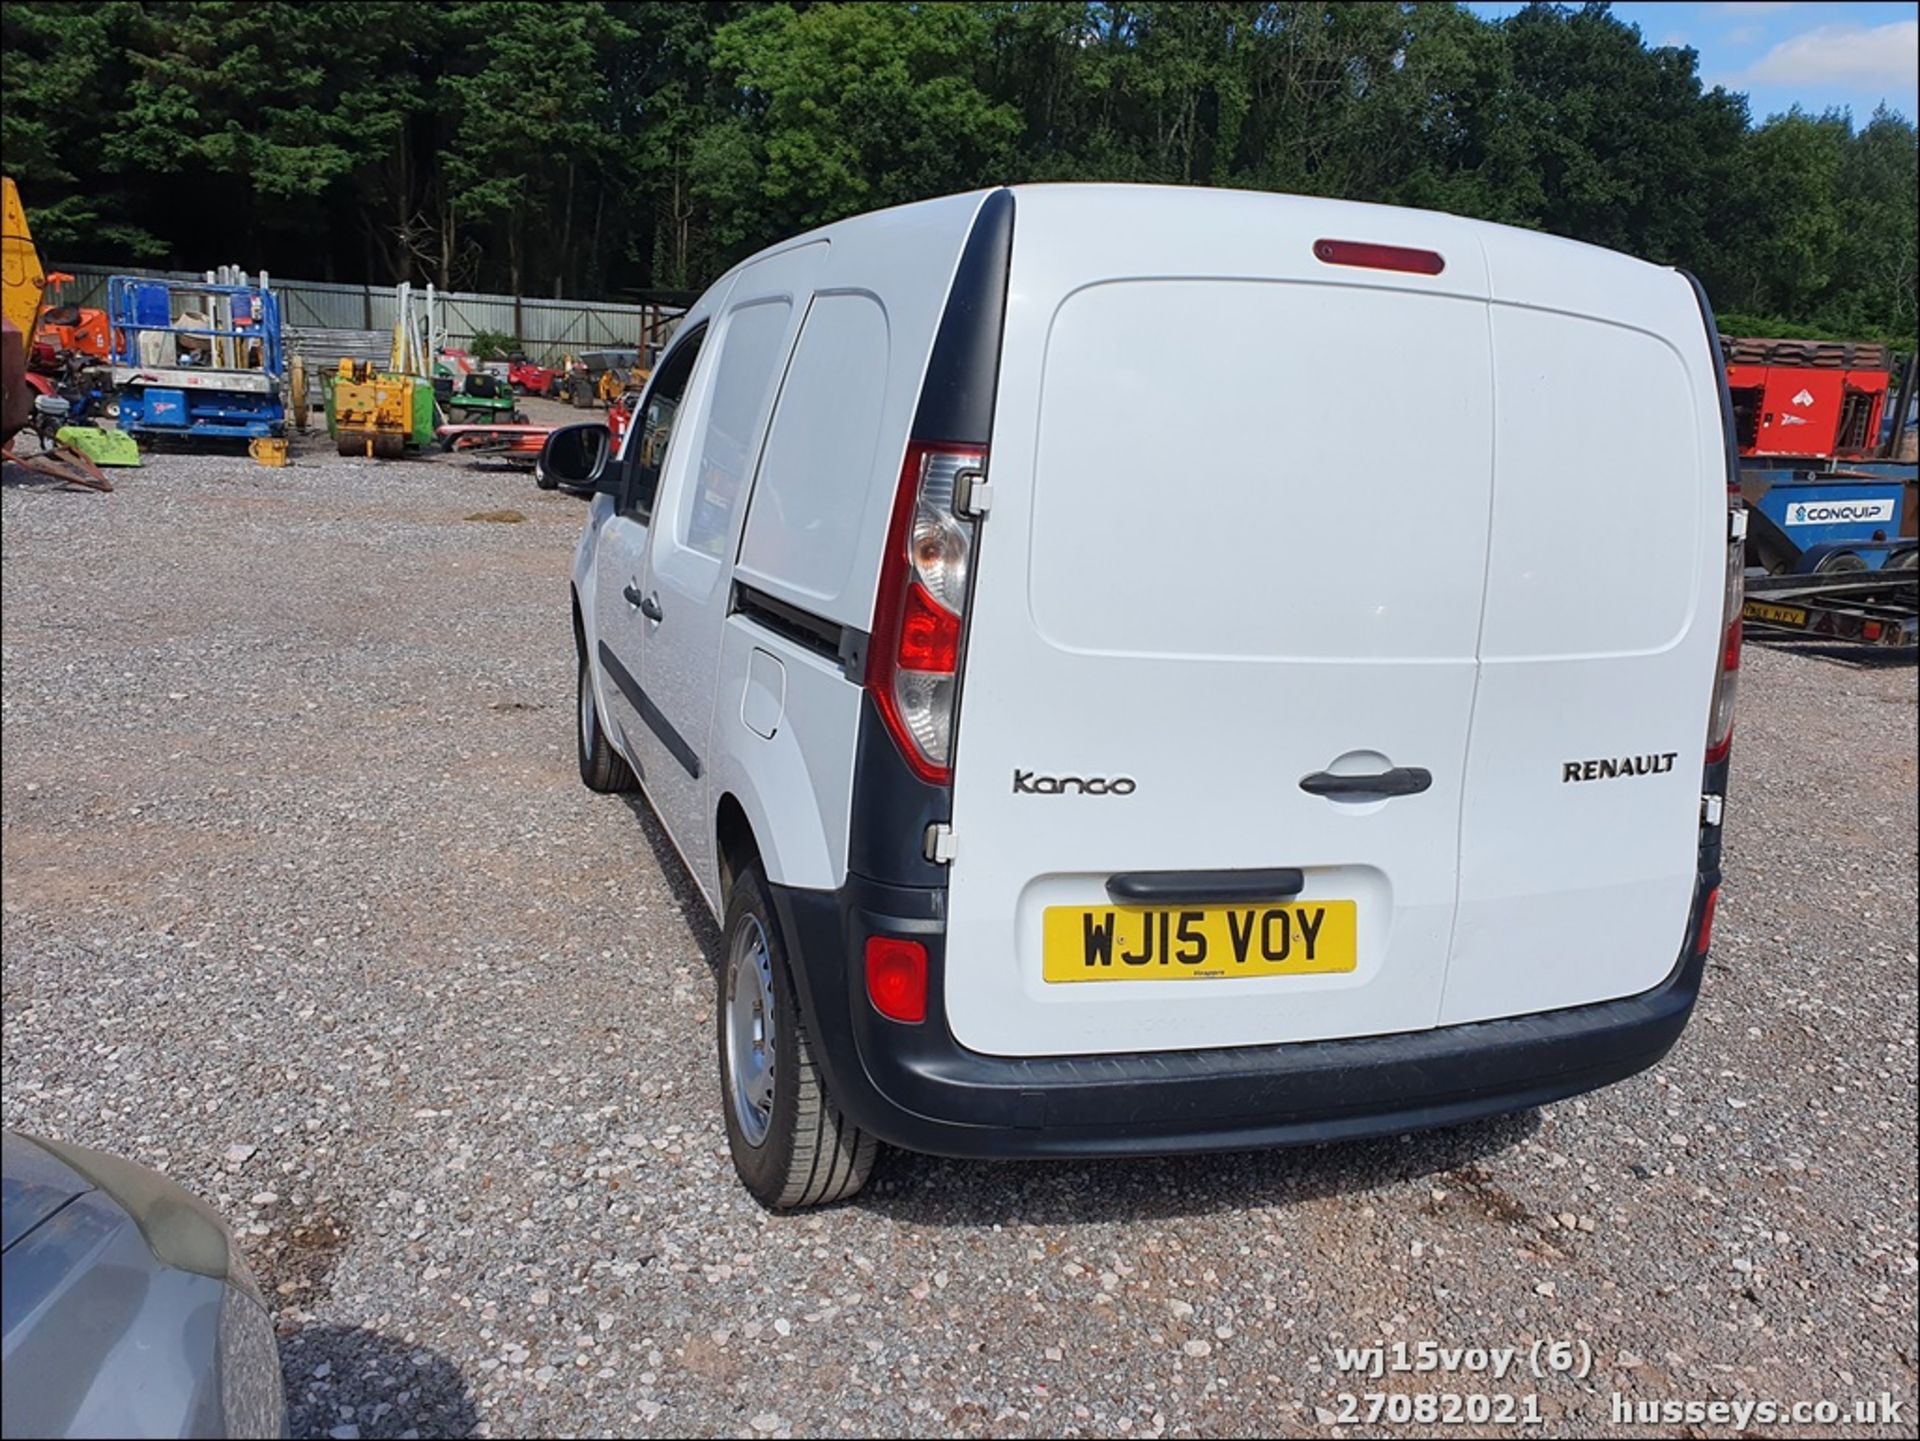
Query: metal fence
pixel 545 329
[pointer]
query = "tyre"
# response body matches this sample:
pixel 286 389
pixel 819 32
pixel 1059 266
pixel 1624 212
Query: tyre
pixel 792 1146
pixel 602 768
pixel 1904 560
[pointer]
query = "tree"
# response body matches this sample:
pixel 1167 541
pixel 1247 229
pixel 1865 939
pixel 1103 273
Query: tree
pixel 529 125
pixel 65 64
pixel 1878 259
pixel 841 108
pixel 628 143
pixel 1793 167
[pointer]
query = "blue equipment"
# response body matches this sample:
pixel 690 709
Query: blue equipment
pixel 199 359
pixel 1847 517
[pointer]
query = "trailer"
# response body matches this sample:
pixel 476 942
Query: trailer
pixel 1831 554
pixel 1832 499
pixel 198 359
pixel 1873 610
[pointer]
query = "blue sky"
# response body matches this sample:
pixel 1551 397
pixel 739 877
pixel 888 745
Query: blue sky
pixel 1815 55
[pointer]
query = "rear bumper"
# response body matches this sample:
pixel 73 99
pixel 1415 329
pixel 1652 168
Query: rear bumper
pixel 918 1088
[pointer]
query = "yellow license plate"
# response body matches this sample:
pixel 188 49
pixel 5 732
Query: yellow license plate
pixel 1788 615
pixel 1147 943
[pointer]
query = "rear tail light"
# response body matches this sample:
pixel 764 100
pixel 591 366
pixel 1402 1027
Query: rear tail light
pixel 914 660
pixel 1727 682
pixel 897 978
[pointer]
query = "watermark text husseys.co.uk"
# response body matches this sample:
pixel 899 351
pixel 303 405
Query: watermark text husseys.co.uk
pixel 1885 1409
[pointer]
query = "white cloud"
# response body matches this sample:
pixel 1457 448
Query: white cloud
pixel 1743 35
pixel 1874 55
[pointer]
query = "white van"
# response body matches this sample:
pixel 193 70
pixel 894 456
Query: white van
pixel 1145 670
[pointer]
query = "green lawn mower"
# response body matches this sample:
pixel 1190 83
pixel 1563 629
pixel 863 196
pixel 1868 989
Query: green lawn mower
pixel 475 396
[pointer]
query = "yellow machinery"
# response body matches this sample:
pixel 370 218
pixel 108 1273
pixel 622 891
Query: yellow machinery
pixel 380 413
pixel 376 413
pixel 297 391
pixel 615 383
pixel 23 286
pixel 25 281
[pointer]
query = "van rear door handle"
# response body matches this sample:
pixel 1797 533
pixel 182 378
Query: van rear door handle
pixel 1182 888
pixel 1400 781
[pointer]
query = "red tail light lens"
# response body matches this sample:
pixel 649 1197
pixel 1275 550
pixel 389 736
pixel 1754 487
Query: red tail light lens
pixel 929 633
pixel 914 659
pixel 1378 257
pixel 897 978
pixel 1711 905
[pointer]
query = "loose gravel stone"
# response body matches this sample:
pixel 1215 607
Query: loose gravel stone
pixel 304 903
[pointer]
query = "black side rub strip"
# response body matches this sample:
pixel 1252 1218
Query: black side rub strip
pixel 1401 781
pixel 1178 888
pixel 657 722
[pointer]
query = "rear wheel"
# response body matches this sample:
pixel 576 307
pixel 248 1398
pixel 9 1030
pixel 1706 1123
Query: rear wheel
pixel 791 1145
pixel 1904 560
pixel 602 768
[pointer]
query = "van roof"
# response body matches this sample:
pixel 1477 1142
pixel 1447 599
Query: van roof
pixel 1346 219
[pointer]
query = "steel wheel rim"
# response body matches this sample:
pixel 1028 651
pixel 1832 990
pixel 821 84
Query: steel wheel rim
pixel 588 719
pixel 750 1032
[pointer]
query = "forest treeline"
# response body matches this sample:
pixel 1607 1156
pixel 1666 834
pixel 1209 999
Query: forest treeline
pixel 598 147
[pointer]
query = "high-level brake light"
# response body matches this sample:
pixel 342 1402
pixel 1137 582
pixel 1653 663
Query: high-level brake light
pixel 1370 256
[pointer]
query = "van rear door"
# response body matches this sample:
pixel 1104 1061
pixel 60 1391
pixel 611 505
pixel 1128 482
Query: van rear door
pixel 1601 641
pixel 1235 559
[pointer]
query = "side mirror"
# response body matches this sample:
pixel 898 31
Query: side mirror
pixel 578 456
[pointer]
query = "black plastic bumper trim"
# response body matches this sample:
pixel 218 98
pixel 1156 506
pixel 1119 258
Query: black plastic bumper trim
pixel 917 1087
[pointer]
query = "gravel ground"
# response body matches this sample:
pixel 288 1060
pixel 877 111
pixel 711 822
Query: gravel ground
pixel 305 905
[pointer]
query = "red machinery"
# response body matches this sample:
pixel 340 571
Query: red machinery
pixel 65 328
pixel 521 444
pixel 529 378
pixel 1817 398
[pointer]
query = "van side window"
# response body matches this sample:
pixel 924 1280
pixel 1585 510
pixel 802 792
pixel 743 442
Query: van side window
pixel 647 454
pixel 750 354
pixel 822 453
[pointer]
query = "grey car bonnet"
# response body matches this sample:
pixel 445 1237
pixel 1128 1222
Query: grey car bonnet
pixel 123 1309
pixel 33 1185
